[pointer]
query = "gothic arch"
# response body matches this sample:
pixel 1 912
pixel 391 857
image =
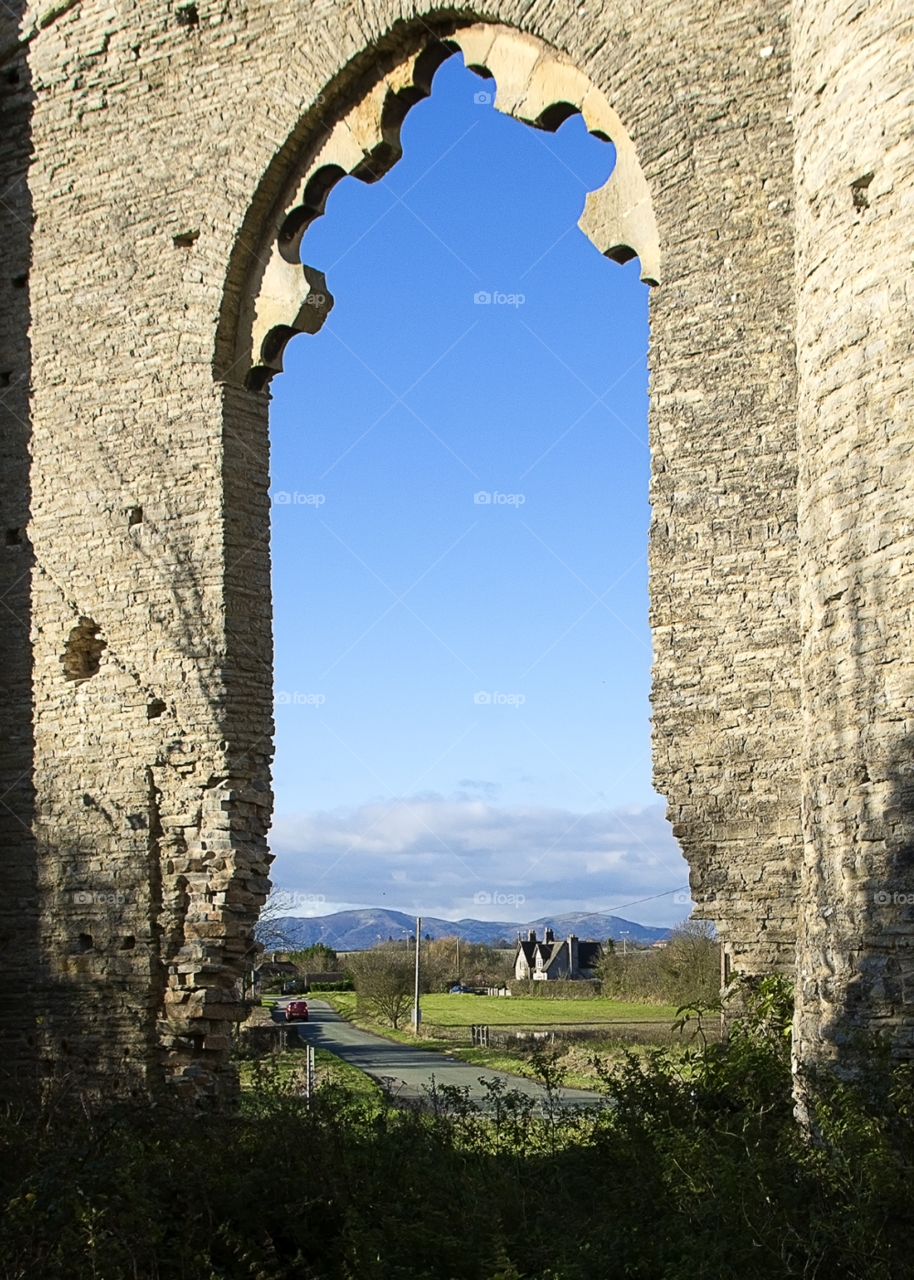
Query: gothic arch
pixel 281 297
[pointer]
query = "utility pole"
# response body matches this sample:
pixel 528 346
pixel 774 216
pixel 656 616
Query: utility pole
pixel 625 934
pixel 458 962
pixel 417 1013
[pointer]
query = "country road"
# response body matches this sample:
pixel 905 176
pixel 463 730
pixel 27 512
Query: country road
pixel 405 1071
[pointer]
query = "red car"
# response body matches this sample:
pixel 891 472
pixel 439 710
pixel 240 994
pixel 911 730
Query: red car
pixel 297 1011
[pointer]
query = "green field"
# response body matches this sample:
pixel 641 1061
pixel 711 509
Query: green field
pixel 512 1011
pixel 521 1012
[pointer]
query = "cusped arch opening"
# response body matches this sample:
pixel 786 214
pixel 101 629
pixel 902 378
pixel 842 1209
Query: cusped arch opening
pixel 283 296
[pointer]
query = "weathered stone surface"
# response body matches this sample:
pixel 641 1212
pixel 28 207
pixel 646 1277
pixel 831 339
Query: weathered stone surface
pixel 161 165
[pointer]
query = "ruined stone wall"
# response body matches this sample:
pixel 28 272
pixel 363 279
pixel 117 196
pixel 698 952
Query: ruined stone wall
pixel 167 143
pixel 854 105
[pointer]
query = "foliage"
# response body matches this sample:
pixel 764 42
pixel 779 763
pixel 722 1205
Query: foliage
pixel 685 970
pixel 557 989
pixel 318 958
pixel 697 1171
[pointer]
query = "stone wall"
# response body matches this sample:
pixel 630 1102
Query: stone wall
pixel 168 146
pixel 854 104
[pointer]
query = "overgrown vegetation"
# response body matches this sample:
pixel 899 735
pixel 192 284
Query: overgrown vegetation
pixel 686 970
pixel 697 1171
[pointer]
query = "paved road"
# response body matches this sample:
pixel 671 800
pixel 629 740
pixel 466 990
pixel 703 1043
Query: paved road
pixel 406 1071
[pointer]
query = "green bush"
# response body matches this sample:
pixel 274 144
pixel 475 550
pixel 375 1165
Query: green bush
pixel 346 985
pixel 685 970
pixel 560 989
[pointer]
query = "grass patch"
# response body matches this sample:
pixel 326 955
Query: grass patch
pixel 285 1071
pixel 514 1011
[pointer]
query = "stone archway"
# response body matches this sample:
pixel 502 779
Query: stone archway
pixel 741 839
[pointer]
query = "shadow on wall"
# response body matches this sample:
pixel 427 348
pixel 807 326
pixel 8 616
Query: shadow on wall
pixel 19 913
pixel 890 908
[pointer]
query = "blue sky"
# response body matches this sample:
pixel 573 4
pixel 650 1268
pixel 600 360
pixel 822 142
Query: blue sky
pixel 462 684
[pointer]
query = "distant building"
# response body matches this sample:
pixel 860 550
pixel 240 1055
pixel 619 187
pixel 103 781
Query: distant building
pixel 550 959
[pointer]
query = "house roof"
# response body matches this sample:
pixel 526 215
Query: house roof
pixel 588 952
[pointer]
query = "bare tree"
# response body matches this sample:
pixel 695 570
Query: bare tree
pixel 272 931
pixel 384 979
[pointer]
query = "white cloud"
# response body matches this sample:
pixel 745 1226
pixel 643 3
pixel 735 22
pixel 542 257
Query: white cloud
pixel 434 855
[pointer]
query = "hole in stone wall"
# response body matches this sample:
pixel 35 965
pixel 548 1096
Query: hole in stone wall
pixel 155 709
pixel 5 378
pixel 12 77
pixel 134 516
pixel 84 942
pixel 186 239
pixel 187 16
pixel 128 943
pixel 82 656
pixel 14 537
pixel 860 191
pixel 20 281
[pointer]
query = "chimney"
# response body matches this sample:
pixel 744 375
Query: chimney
pixel 549 936
pixel 531 936
pixel 573 955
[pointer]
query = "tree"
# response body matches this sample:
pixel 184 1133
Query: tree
pixel 318 957
pixel 690 962
pixel 384 979
pixel 273 930
pixel 477 959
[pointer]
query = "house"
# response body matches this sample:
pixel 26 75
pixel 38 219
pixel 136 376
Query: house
pixel 272 971
pixel 551 959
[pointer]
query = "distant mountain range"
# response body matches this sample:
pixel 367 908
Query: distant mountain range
pixel 357 930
